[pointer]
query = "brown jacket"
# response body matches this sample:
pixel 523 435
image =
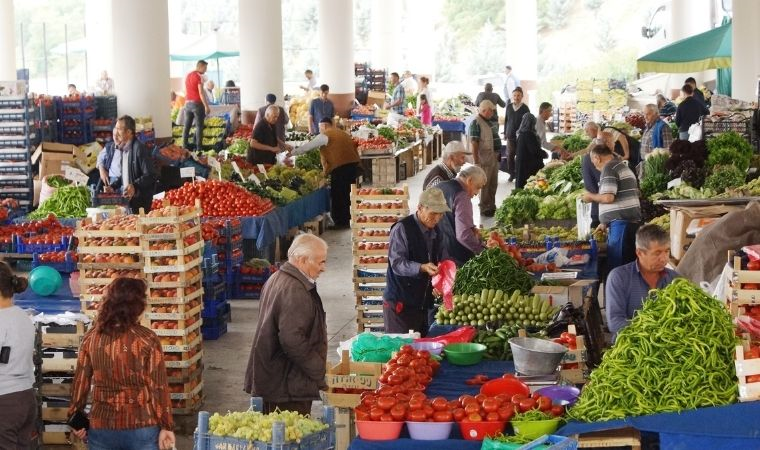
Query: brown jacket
pixel 340 150
pixel 288 357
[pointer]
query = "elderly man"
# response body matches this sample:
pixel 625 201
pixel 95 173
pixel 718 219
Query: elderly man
pixel 265 145
pixel 398 97
pixel 209 90
pixel 486 145
pixel 689 111
pixel 282 119
pixel 453 158
pixel 196 104
pixel 619 208
pixel 340 160
pixel 416 248
pixel 319 108
pixel 287 362
pixel 516 109
pixel 657 133
pixel 627 286
pixel 545 111
pixel 126 166
pixel 460 236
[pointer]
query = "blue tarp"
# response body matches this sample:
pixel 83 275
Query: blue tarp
pixel 60 302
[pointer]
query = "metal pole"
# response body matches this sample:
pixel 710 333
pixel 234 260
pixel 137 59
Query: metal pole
pixel 44 50
pixel 218 75
pixel 66 47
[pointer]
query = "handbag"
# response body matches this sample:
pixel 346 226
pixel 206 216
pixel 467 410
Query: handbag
pixel 78 421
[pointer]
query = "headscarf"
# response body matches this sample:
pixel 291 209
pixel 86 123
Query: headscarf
pixel 528 124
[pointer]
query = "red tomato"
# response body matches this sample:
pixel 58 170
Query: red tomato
pixel 375 413
pixel 506 413
pixel 544 403
pixel 386 403
pixel 459 414
pixel 557 410
pixel 398 412
pixel 440 404
pixel 753 265
pixel 415 404
pixel 386 418
pixel 526 404
pixel 493 417
pixel 517 398
pixel 474 418
pixel 490 405
pixel 416 415
pixel 472 408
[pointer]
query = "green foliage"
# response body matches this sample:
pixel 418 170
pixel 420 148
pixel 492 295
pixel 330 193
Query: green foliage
pixel 568 172
pixel 309 160
pixel 517 209
pixel 576 141
pixel 724 177
pixel 466 18
pixel 729 148
pixel 652 184
pixel 557 207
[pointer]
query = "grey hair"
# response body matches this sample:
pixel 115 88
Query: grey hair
pixel 649 234
pixel 592 126
pixel 473 172
pixel 303 246
pixel 486 105
pixel 651 107
pixel 271 109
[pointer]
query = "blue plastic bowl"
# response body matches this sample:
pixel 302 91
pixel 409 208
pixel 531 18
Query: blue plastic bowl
pixel 44 280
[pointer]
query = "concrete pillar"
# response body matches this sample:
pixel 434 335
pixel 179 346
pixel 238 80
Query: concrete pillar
pixel 336 52
pixel 99 38
pixel 746 50
pixel 386 35
pixel 422 57
pixel 689 17
pixel 260 53
pixel 522 46
pixel 141 70
pixel 7 41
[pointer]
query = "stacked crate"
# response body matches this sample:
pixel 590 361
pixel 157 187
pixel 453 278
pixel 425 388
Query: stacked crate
pixel 230 252
pixel 172 246
pixel 144 131
pixel 58 348
pixel 75 114
pixel 373 212
pixel 743 296
pixel 216 310
pixel 17 138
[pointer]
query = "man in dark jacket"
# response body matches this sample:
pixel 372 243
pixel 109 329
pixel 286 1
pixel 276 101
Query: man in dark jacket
pixel 688 112
pixel 138 182
pixel 282 119
pixel 415 250
pixel 287 362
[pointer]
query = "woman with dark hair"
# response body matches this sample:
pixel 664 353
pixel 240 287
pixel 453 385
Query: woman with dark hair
pixel 530 157
pixel 124 362
pixel 18 405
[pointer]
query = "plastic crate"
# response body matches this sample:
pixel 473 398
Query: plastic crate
pixel 214 292
pixel 217 322
pixel 213 309
pixel 67 266
pixel 227 227
pixel 102 199
pixel 212 334
pixel 21 247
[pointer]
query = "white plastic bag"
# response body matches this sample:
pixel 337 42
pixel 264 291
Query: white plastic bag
pixel 558 256
pixel 695 132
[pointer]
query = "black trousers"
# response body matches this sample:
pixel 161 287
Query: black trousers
pixel 303 407
pixel 18 420
pixel 194 110
pixel 341 179
pixel 407 319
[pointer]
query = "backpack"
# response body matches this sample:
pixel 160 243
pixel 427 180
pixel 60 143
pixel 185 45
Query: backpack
pixel 634 148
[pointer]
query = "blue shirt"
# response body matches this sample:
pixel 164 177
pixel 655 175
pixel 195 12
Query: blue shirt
pixel 399 94
pixel 319 109
pixel 398 251
pixel 114 171
pixel 625 291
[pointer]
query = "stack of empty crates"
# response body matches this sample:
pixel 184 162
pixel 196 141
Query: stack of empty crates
pixel 373 212
pixel 216 310
pixel 17 138
pixel 172 247
pixel 230 251
pixel 105 117
pixel 58 348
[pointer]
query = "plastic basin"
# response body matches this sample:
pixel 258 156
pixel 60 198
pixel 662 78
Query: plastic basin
pixel 561 395
pixel 435 348
pixel 378 431
pixel 507 386
pixel 465 354
pixel 477 431
pixel 532 429
pixel 535 356
pixel 429 431
pixel 44 280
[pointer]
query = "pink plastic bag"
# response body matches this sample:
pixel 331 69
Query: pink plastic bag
pixel 460 335
pixel 444 282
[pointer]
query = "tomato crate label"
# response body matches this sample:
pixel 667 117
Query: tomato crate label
pixel 366 382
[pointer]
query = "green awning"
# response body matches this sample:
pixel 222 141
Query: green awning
pixel 708 50
pixel 211 46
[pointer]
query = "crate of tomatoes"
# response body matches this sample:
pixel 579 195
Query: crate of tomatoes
pixel 63 261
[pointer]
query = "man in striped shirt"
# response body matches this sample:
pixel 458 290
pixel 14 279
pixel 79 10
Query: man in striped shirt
pixel 619 208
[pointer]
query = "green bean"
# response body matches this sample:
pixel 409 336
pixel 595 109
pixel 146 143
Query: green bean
pixel 66 202
pixel 676 354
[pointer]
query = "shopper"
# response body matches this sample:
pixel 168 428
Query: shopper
pixel 18 402
pixel 698 94
pixel 493 97
pixel 340 160
pixel 545 111
pixel 665 106
pixel 311 81
pixel 515 112
pixel 424 89
pixel 124 363
pixel 130 170
pixel 619 208
pixel 196 105
pixel 104 85
pixel 530 156
pixel 657 133
pixel 460 236
pixel 287 366
pixel 415 250
pixel 628 285
pixel 452 160
pixel 511 82
pixel 689 111
pixel 265 145
pixel 426 113
pixel 398 97
pixel 209 90
pixel 319 108
pixel 483 136
pixel 282 118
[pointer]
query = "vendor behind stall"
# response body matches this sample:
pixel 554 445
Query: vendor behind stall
pixel 265 145
pixel 416 248
pixel 628 285
pixel 460 235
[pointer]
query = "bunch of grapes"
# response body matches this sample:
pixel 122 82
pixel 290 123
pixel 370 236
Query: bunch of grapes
pixel 255 426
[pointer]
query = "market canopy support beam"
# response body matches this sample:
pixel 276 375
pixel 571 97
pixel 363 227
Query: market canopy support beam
pixel 99 41
pixel 141 70
pixel 7 41
pixel 746 50
pixel 336 52
pixel 260 54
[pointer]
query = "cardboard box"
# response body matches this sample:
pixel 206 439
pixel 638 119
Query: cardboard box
pixel 681 217
pixel 53 156
pixel 573 291
pixel 350 375
pixel 376 98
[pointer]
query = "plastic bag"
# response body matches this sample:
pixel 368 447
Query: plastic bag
pixel 460 335
pixel 443 282
pixel 557 255
pixel 368 347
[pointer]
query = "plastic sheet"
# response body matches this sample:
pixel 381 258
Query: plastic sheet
pixel 443 282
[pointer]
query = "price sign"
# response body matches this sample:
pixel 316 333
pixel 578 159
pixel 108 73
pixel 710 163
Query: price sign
pixel 75 175
pixel 674 183
pixel 236 168
pixel 200 179
pixel 187 172
pixel 255 179
pixel 263 170
pixel 159 196
pixel 214 163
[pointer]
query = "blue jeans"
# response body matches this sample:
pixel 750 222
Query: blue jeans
pixel 683 135
pixel 194 111
pixel 621 243
pixel 137 439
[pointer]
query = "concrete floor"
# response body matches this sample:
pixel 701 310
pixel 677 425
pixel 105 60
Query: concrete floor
pixel 225 359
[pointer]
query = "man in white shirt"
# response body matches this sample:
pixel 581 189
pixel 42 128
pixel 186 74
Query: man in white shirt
pixel 311 81
pixel 510 83
pixel 104 86
pixel 545 111
pixel 410 84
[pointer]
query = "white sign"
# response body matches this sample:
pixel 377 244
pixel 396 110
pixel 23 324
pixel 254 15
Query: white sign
pixel 255 179
pixel 214 164
pixel 75 175
pixel 263 170
pixel 201 179
pixel 187 172
pixel 674 183
pixel 159 196
pixel 236 168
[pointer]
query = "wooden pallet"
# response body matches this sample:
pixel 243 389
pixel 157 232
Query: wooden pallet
pixel 63 335
pixel 630 437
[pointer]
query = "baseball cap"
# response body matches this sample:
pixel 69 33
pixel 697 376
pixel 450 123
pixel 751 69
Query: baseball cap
pixel 455 147
pixel 271 98
pixel 433 199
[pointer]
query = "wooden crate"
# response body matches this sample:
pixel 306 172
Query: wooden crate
pixel 350 375
pixel 187 359
pixel 183 347
pixel 579 356
pixel 184 327
pixel 195 259
pixel 745 368
pixel 54 335
pixel 183 375
pixel 172 215
pixel 356 195
pixel 345 427
pixel 189 389
pixel 736 295
pixel 181 247
pixel 172 231
pixel 183 295
pixel 626 437
pixel 83 233
pixel 183 279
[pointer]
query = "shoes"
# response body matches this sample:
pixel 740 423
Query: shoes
pixel 488 213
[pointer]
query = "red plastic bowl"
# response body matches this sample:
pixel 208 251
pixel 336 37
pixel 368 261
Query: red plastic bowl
pixel 508 386
pixel 477 431
pixel 378 431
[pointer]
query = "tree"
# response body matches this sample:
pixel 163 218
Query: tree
pixel 465 19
